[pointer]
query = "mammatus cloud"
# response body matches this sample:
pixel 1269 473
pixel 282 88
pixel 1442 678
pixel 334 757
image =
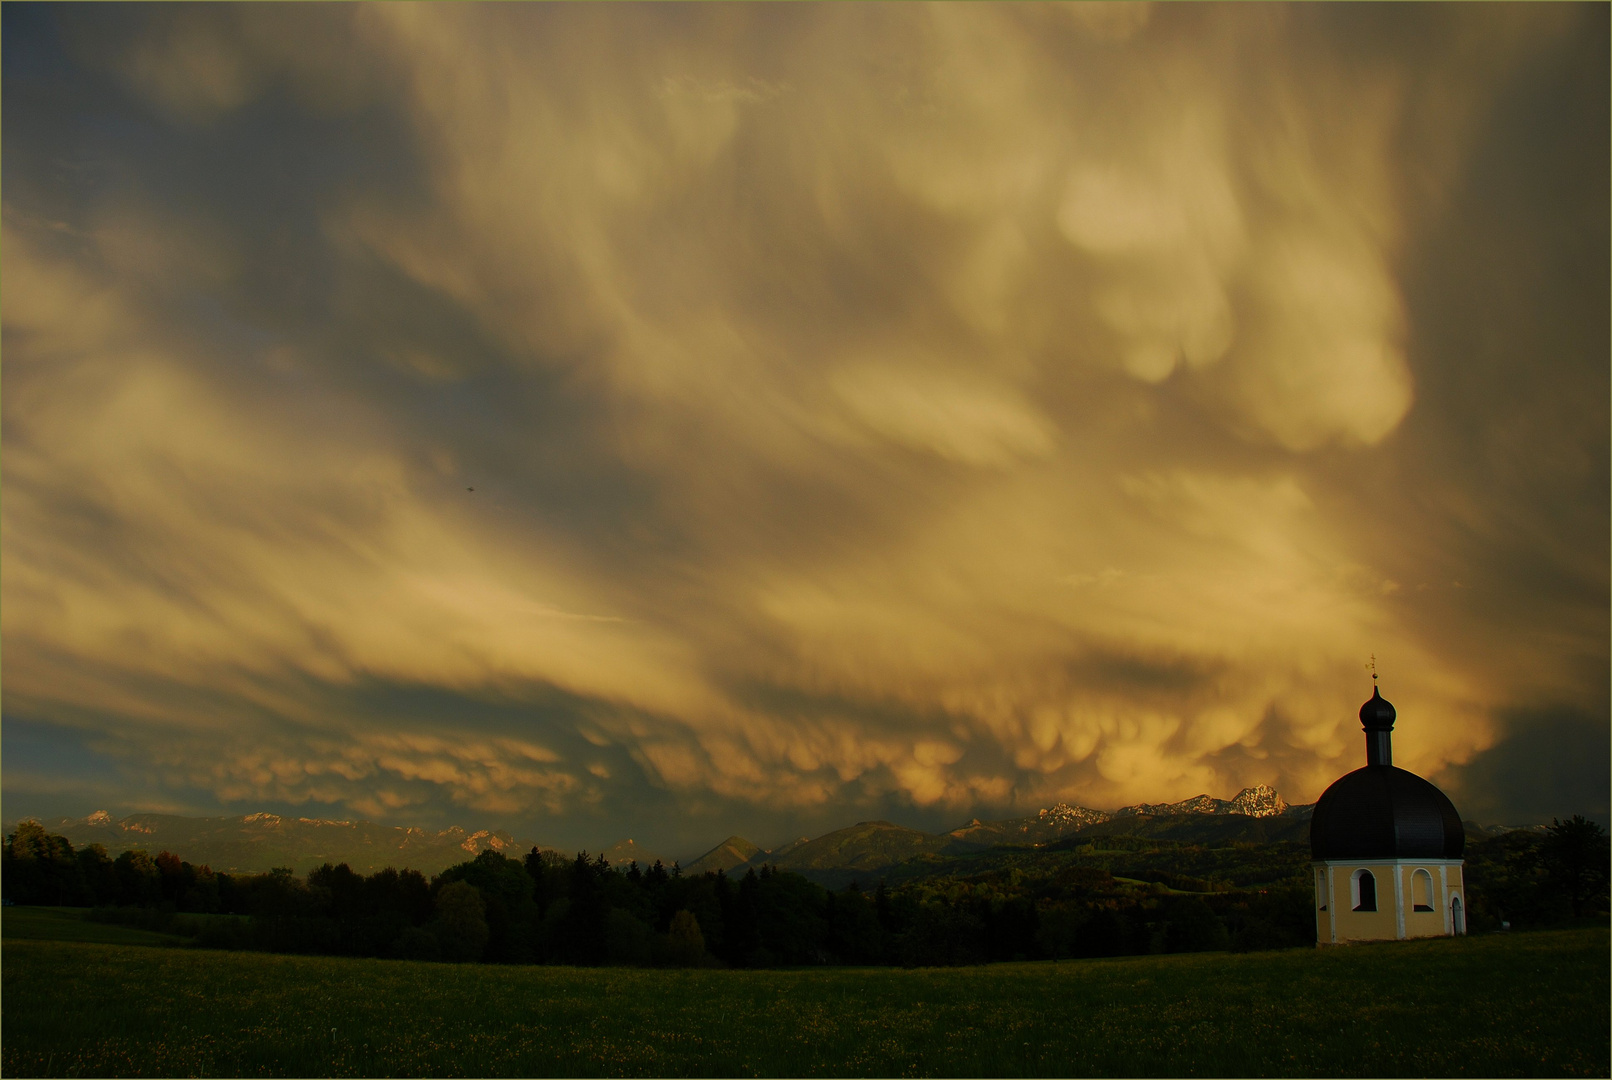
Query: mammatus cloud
pixel 954 407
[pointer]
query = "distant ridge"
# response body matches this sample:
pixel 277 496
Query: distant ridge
pixel 1261 801
pixel 254 843
pixel 865 846
pixel 257 842
pixel 1212 830
pixel 1061 820
pixel 623 853
pixel 732 852
pixel 866 851
pixel 784 849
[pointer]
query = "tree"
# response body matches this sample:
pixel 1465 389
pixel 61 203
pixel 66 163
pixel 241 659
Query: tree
pixel 405 892
pixel 1105 933
pixel 40 867
pixel 461 923
pixel 100 880
pixel 506 887
pixel 1057 929
pixel 139 883
pixel 628 939
pixel 1191 926
pixel 175 877
pixel 1575 856
pixel 742 917
pixel 347 899
pixel 579 936
pixel 884 909
pixel 686 945
pixel 544 888
pixel 203 893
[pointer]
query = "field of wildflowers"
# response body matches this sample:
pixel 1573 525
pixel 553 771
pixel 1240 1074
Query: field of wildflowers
pixel 1531 1004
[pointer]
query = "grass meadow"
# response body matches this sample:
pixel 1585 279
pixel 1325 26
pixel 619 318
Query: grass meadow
pixel 119 1002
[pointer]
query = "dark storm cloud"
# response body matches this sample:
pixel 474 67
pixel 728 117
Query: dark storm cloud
pixel 869 409
pixel 1543 765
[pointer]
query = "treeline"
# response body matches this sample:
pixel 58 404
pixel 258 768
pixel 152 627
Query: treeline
pixel 547 909
pixel 1526 879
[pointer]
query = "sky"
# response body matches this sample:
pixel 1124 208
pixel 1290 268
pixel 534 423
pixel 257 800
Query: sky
pixel 669 421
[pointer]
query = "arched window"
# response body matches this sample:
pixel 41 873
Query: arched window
pixel 1422 891
pixel 1457 916
pixel 1363 890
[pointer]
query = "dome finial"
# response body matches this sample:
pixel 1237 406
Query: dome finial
pixel 1377 718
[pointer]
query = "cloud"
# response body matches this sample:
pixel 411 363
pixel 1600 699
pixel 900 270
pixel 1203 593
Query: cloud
pixel 939 408
pixel 923 409
pixel 1532 773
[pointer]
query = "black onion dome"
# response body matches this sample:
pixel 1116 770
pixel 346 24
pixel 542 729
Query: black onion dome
pixel 1377 714
pixel 1380 812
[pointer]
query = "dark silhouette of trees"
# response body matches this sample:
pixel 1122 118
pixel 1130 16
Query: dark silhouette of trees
pixel 1011 925
pixel 685 945
pixel 548 873
pixel 460 926
pixel 576 923
pixel 1576 857
pixel 1106 933
pixel 741 916
pixel 185 887
pixel 507 890
pixel 549 908
pixel 1190 925
pixel 1057 926
pixel 289 914
pixel 368 916
pixel 98 876
pixel 40 868
pixel 139 882
pixel 854 935
pixel 629 941
pixel 399 903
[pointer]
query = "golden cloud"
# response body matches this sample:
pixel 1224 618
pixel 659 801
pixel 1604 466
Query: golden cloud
pixel 978 374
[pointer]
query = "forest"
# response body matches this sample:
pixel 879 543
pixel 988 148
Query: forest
pixel 1101 897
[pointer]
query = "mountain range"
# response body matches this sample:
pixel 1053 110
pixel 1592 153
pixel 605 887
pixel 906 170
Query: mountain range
pixel 257 842
pixel 1257 814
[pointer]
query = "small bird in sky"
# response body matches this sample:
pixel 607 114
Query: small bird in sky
pixel 470 489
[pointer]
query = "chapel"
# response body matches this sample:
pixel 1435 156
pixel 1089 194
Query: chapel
pixel 1386 849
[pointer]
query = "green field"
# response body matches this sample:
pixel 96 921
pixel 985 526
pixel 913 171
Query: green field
pixel 1500 1005
pixel 69 924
